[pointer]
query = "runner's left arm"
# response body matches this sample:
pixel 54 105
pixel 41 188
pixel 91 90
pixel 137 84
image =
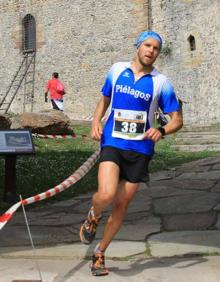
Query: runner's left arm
pixel 170 105
pixel 175 123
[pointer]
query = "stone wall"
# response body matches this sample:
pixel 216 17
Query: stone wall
pixel 78 39
pixel 81 39
pixel 195 74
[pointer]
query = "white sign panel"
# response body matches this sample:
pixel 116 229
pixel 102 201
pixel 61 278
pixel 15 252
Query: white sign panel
pixel 16 141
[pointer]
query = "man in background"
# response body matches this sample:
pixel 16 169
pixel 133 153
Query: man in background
pixel 56 89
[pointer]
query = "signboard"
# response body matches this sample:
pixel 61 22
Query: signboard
pixel 16 142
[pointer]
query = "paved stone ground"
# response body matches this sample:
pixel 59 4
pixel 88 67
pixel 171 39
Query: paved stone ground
pixel 197 269
pixel 176 215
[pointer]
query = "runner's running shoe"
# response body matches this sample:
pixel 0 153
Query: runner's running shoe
pixel 98 265
pixel 88 228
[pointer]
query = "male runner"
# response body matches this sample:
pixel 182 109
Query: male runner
pixel 133 91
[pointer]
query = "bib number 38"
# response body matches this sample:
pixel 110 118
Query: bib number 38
pixel 130 127
pixel 129 124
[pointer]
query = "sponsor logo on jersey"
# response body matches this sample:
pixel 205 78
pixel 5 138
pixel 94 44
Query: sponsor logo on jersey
pixel 126 74
pixel 129 90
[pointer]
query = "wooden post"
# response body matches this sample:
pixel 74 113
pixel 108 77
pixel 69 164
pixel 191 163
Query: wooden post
pixel 13 143
pixel 10 178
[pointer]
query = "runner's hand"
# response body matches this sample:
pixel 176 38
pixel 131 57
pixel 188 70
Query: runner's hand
pixel 96 131
pixel 153 134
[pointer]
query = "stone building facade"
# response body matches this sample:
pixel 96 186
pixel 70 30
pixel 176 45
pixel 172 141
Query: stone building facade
pixel 81 39
pixel 190 28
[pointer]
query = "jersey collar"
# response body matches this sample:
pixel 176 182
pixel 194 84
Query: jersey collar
pixel 153 73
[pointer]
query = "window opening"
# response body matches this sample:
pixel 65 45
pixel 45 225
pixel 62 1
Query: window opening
pixel 192 42
pixel 29 34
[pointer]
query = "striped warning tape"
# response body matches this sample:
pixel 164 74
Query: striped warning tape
pixel 72 179
pixel 61 136
pixel 90 118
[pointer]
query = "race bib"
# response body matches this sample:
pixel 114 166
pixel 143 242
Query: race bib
pixel 129 125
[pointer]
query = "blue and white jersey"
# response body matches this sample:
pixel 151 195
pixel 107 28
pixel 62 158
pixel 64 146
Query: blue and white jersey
pixel 132 107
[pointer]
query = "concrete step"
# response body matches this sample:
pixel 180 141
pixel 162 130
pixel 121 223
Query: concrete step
pixel 196 147
pixel 197 140
pixel 205 134
pixel 200 129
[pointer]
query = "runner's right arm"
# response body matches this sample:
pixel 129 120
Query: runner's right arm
pixel 101 108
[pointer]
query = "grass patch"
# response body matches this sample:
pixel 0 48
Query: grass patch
pixel 54 161
pixel 216 125
pixel 165 157
pixel 57 159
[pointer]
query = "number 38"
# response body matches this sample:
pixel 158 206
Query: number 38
pixel 129 127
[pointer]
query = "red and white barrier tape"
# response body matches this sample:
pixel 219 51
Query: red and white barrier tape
pixel 61 136
pixel 72 179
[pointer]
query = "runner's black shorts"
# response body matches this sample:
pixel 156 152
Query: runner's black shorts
pixel 133 165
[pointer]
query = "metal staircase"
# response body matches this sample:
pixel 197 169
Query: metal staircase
pixel 24 77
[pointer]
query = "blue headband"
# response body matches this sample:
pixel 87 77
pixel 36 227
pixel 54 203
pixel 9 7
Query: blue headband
pixel 148 34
